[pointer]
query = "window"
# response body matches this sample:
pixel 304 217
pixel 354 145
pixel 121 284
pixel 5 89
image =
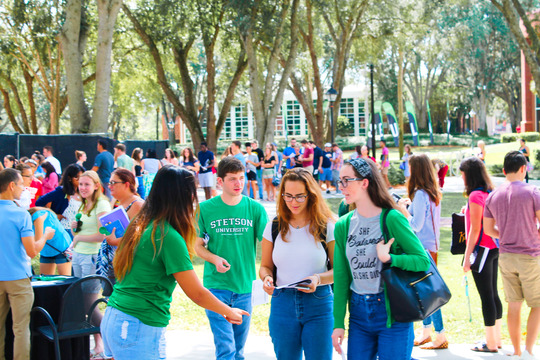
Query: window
pixel 280 124
pixel 346 108
pixel 226 133
pixel 242 122
pixel 293 118
pixel 362 118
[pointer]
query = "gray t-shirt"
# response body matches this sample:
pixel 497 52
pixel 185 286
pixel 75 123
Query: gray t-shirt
pixel 253 157
pixel 361 250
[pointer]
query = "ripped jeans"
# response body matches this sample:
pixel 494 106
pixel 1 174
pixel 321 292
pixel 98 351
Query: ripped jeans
pixel 125 337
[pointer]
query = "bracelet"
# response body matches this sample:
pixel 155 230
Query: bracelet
pixel 319 278
pixel 264 278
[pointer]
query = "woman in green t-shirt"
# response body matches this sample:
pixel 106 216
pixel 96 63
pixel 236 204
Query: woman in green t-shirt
pixel 358 260
pixel 154 255
pixel 87 239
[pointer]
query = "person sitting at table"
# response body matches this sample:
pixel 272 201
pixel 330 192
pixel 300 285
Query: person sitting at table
pixel 18 243
pixel 87 240
pixel 53 253
pixel 122 187
pixel 154 255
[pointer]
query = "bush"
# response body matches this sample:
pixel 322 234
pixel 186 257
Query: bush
pixel 395 174
pixel 528 136
pixel 496 170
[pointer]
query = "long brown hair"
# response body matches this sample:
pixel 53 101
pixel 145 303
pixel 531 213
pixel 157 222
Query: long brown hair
pixel 172 199
pixel 98 194
pixel 423 177
pixel 319 212
pixel 377 191
pixel 476 176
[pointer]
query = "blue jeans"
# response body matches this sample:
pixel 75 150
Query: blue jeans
pixel 230 339
pixel 300 321
pixel 259 182
pixel 437 321
pixel 368 335
pixel 125 337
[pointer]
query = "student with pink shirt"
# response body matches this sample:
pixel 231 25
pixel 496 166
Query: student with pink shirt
pixel 511 214
pixel 478 186
pixel 50 181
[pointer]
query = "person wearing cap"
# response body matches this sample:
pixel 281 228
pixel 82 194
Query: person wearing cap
pixel 325 167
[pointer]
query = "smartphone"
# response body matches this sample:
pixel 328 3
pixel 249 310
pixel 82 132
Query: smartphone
pixel 396 197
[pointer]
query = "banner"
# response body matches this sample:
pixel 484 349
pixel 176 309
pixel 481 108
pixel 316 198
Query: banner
pixel 430 125
pixel 378 119
pixel 392 123
pixel 448 122
pixel 412 121
pixel 378 124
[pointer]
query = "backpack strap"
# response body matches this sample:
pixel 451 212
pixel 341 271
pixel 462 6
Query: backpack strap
pixel 275 233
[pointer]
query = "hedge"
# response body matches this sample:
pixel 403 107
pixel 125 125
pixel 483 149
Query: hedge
pixel 528 136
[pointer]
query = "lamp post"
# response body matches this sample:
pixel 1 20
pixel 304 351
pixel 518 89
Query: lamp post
pixel 472 114
pixel 331 96
pixel 170 126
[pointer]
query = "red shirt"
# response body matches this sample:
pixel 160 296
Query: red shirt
pixel 36 190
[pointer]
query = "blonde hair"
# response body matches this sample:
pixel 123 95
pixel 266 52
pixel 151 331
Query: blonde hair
pixel 319 212
pixel 79 154
pixel 98 194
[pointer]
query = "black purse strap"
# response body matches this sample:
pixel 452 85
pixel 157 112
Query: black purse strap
pixel 59 252
pixel 386 234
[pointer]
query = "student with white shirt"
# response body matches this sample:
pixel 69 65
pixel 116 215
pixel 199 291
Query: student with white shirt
pixel 299 245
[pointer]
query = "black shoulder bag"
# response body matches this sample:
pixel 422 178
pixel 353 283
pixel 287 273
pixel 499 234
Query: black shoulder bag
pixel 413 296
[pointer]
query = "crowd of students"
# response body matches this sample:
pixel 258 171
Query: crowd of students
pixel 304 243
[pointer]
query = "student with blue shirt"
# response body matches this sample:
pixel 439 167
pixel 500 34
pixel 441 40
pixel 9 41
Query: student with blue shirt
pixel 104 166
pixel 18 244
pixel 206 177
pixel 289 153
pixel 52 254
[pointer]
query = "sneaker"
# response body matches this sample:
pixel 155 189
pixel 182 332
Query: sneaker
pixel 525 355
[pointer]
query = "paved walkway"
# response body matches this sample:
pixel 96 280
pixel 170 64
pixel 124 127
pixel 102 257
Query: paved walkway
pixel 196 345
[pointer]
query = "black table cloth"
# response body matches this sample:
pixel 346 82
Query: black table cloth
pixel 48 295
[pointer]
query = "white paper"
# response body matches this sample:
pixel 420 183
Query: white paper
pixel 343 355
pixel 258 295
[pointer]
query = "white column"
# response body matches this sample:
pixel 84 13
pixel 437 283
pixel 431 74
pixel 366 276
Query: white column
pixel 250 122
pixel 303 122
pixel 356 117
pixel 233 122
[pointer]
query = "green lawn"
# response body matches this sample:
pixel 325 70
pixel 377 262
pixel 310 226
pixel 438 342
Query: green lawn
pixel 188 316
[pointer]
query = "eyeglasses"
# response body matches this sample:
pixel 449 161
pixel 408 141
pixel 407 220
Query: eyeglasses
pixel 112 183
pixel 298 198
pixel 345 181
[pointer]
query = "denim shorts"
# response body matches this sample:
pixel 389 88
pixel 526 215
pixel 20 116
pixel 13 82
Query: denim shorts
pixel 58 259
pixel 125 337
pixel 326 174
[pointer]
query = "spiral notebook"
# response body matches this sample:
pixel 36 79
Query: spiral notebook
pixel 118 218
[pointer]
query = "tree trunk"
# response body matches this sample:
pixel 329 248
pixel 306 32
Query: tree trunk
pixel 400 102
pixel 9 111
pixel 29 81
pixel 73 40
pixel 107 12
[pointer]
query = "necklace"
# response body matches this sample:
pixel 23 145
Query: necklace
pixel 302 224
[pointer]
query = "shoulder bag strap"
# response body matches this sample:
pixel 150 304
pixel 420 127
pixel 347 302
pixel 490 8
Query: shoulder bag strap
pixel 433 223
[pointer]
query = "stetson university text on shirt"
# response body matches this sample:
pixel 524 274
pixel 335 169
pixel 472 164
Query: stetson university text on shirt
pixel 232 233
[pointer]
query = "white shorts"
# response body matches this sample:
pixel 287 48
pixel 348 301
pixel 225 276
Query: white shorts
pixel 206 179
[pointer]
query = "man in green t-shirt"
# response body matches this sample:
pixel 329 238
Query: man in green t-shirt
pixel 229 227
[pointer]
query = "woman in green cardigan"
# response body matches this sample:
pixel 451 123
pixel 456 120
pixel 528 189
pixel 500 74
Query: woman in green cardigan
pixel 360 251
